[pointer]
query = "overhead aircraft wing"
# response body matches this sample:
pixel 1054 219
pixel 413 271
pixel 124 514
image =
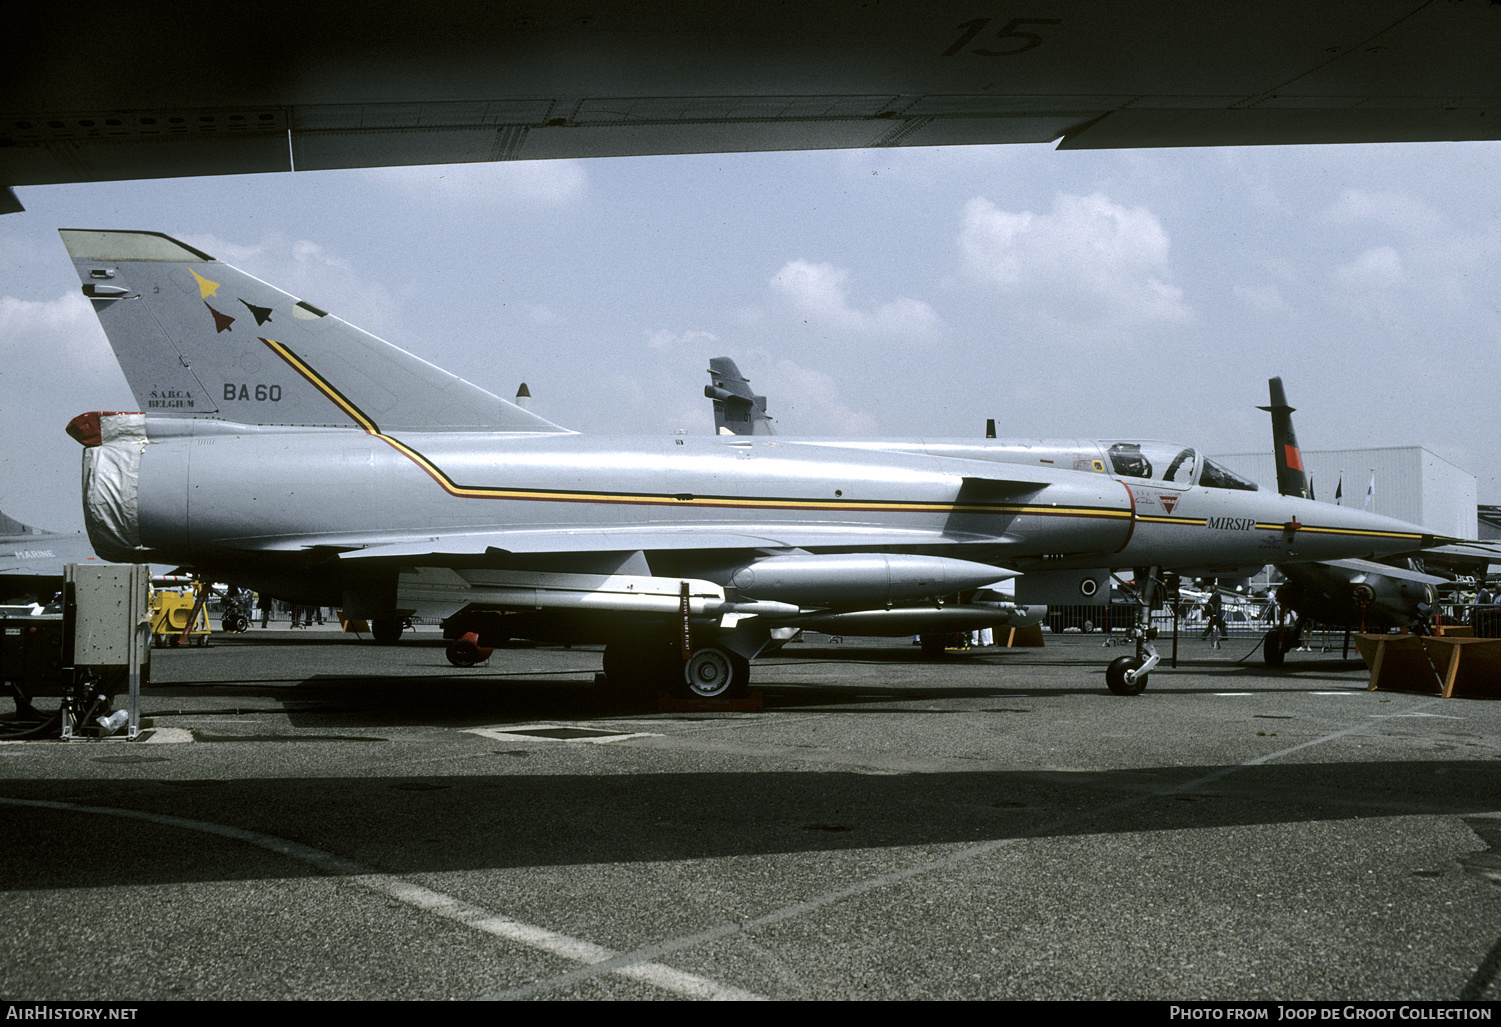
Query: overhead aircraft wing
pixel 494 80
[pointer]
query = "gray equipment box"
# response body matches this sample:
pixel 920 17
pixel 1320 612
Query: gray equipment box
pixel 107 626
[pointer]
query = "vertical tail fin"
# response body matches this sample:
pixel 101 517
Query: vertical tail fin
pixel 1291 481
pixel 737 410
pixel 11 526
pixel 201 340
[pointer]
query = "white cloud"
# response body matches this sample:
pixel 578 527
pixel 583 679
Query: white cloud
pixel 813 402
pixel 311 272
pixel 68 318
pixel 803 401
pixel 664 339
pixel 1265 298
pixel 57 364
pixel 1377 268
pixel 1389 209
pixel 1089 260
pixel 818 293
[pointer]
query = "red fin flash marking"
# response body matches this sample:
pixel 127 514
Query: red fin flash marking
pixel 1294 458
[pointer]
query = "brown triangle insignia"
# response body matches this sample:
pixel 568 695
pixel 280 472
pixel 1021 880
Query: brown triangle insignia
pixel 221 321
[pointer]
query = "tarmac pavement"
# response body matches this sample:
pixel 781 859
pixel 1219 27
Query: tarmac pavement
pixel 313 816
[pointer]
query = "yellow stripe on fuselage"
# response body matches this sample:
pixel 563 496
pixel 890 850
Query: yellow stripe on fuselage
pixel 1200 522
pixel 438 475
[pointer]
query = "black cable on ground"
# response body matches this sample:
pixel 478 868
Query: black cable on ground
pixel 21 730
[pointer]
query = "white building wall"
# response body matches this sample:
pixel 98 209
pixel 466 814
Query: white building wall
pixel 1412 484
pixel 1451 496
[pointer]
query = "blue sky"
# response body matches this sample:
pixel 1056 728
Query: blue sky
pixel 875 292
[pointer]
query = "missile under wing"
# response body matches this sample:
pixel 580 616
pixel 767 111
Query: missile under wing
pixel 281 447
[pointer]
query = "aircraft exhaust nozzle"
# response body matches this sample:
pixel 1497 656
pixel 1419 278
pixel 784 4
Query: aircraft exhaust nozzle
pixel 113 443
pixel 870 579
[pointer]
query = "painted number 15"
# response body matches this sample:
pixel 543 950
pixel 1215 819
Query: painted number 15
pixel 1013 38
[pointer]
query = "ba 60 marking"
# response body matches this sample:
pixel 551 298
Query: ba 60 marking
pixel 258 393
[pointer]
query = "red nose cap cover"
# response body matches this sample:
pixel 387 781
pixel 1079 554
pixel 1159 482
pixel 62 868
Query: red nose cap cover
pixel 85 427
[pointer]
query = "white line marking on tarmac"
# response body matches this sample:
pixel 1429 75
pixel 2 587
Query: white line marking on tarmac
pixel 871 884
pixel 169 736
pixel 438 903
pixel 528 733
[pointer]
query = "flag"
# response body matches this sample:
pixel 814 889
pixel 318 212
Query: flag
pixel 1370 492
pixel 1339 490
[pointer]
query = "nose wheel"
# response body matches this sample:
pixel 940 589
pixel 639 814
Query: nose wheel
pixel 1127 675
pixel 1124 676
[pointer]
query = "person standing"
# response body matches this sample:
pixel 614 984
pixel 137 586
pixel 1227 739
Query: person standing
pixel 1214 618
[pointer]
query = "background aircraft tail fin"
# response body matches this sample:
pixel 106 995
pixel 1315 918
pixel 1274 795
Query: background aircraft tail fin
pixel 200 339
pixel 737 410
pixel 1291 480
pixel 11 526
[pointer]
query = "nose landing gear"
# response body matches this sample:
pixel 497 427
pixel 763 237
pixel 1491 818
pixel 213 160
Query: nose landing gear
pixel 1127 675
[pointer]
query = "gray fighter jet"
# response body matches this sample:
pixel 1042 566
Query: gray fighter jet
pixel 32 560
pixel 287 450
pixel 1363 595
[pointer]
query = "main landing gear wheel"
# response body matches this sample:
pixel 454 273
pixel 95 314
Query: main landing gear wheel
pixel 714 673
pixel 387 630
pixel 1116 680
pixel 1271 649
pixel 637 669
pixel 234 623
pixel 466 651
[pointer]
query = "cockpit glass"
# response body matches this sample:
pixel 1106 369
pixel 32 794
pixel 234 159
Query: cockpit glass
pixel 1217 476
pixel 1153 461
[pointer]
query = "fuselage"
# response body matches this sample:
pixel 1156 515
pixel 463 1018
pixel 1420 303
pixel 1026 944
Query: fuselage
pixel 260 497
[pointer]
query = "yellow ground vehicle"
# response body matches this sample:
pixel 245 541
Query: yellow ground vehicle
pixel 179 616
